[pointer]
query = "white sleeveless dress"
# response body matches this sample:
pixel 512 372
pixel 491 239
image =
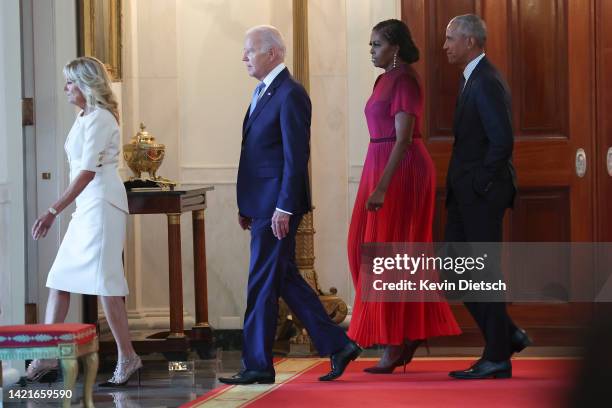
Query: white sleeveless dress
pixel 89 258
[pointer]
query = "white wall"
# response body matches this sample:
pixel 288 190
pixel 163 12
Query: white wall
pixel 215 90
pixel 327 25
pixel 12 251
pixel 54 42
pixel 362 15
pixel 150 94
pixel 184 77
pixel 12 259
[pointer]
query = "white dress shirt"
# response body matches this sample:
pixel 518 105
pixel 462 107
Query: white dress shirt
pixel 272 75
pixel 469 68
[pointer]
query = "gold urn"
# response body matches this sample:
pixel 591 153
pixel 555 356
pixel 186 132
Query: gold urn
pixel 144 155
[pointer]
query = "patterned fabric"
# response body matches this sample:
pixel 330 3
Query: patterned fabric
pixel 45 335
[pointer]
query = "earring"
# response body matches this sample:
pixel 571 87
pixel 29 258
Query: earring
pixel 395 60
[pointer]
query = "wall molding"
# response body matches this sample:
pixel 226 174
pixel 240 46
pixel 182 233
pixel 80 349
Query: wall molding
pixel 220 175
pixel 146 318
pixel 5 197
pixel 209 174
pixel 355 173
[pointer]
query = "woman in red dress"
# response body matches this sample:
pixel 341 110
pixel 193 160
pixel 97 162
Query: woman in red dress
pixel 395 200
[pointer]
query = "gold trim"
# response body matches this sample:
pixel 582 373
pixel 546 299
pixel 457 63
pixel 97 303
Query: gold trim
pixel 238 396
pixel 300 43
pixel 70 371
pixel 177 335
pixel 291 368
pixel 469 358
pixel 174 218
pixel 87 34
pixel 90 368
pixel 91 347
pixel 198 214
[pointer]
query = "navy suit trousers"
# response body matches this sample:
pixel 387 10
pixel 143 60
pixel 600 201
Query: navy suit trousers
pixel 272 274
pixel 482 222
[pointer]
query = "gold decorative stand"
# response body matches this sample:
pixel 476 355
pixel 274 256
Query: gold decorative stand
pixel 335 307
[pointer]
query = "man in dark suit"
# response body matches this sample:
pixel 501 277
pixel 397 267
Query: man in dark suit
pixel 273 195
pixel 481 181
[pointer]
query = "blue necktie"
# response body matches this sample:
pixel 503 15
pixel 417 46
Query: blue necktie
pixel 256 93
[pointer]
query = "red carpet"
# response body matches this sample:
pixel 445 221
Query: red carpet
pixel 536 383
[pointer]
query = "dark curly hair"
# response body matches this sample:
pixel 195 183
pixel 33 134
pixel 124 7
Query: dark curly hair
pixel 396 32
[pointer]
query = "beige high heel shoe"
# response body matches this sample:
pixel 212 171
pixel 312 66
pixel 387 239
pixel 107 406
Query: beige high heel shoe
pixel 39 368
pixel 123 372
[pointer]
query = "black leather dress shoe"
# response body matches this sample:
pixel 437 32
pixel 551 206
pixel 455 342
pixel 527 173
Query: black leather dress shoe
pixel 341 359
pixel 485 369
pixel 249 377
pixel 520 340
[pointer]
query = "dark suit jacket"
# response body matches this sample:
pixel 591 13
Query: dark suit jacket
pixel 273 170
pixel 481 162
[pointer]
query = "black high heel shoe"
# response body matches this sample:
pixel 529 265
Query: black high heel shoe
pixel 404 358
pixel 124 370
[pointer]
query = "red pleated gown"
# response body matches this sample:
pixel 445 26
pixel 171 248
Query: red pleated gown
pixel 406 215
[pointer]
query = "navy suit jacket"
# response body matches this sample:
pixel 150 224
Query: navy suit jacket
pixel 273 170
pixel 481 161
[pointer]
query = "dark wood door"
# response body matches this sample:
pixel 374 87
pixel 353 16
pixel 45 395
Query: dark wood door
pixel 544 48
pixel 602 163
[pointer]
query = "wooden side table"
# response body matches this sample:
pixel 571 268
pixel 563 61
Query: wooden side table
pixel 173 204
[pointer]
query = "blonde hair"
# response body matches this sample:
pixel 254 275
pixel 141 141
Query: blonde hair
pixel 92 78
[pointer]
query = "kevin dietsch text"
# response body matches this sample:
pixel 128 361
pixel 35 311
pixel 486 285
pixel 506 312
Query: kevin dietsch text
pixel 428 285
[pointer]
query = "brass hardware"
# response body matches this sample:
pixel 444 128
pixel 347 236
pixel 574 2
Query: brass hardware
pixel 46 176
pixel 174 219
pixel 581 162
pixel 609 161
pixel 198 214
pixel 27 112
pixel 173 335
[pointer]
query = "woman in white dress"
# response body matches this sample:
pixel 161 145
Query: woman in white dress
pixel 89 258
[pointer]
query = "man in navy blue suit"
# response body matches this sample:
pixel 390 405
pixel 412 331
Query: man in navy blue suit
pixel 481 182
pixel 273 194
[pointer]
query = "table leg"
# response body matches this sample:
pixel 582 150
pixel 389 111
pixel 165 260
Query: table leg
pixel 175 276
pixel 70 369
pixel 90 366
pixel 202 328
